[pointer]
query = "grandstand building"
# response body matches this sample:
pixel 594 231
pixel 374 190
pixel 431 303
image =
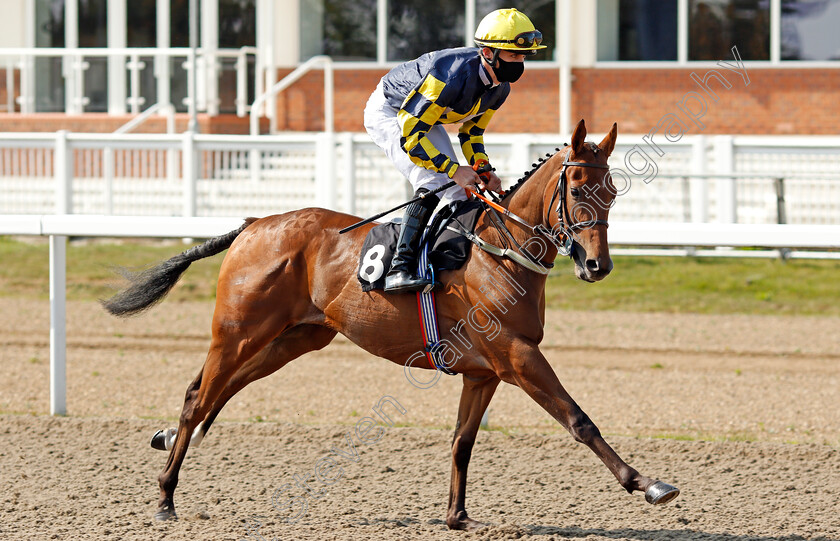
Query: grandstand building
pixel 87 65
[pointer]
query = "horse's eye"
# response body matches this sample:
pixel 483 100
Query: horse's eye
pixel 575 192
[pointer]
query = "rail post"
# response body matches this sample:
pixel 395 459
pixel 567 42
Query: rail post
pixel 348 166
pixel 241 83
pixel 325 184
pixel 520 150
pixel 726 187
pixel 58 325
pixel 699 185
pixel 189 164
pixel 108 173
pixel 63 173
pixel 781 211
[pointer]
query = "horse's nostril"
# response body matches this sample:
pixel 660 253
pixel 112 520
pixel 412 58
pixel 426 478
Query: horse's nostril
pixel 592 265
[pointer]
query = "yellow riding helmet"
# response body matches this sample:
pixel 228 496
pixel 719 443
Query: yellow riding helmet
pixel 508 29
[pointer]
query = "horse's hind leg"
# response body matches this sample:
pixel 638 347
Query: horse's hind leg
pixel 475 396
pixel 282 350
pixel 285 348
pixel 231 347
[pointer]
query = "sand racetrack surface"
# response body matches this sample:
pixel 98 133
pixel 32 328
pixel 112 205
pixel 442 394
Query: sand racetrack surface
pixel 741 412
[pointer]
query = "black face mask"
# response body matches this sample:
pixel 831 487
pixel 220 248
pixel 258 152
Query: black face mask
pixel 508 72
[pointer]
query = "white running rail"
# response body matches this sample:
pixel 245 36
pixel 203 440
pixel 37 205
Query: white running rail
pixel 59 227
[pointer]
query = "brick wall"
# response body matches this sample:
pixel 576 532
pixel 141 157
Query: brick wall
pixel 532 106
pixel 776 101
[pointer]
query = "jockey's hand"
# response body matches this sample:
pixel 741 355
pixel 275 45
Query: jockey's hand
pixel 494 184
pixel 465 177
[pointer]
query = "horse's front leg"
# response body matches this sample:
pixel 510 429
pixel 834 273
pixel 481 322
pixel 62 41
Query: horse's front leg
pixel 475 396
pixel 530 371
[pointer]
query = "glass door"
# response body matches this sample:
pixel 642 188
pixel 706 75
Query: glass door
pixel 49 32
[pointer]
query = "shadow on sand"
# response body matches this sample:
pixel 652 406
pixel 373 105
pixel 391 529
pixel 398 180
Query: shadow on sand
pixel 575 532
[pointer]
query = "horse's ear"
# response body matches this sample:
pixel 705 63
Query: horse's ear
pixel 608 144
pixel 579 136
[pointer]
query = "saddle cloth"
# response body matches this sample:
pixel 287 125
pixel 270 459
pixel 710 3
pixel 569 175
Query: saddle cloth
pixel 447 250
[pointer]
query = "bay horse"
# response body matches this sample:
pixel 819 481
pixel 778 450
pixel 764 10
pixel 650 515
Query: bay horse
pixel 288 285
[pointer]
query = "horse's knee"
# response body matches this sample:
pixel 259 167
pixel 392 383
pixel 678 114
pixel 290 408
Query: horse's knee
pixel 582 428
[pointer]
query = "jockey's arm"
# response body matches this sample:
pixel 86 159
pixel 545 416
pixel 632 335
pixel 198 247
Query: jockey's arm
pixel 471 136
pixel 421 110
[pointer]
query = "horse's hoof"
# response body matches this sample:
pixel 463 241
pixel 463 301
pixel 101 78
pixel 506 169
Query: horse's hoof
pixel 465 523
pixel 660 493
pixel 162 440
pixel 166 514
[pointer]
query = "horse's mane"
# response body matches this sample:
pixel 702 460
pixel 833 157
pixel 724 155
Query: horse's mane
pixel 528 174
pixel 540 161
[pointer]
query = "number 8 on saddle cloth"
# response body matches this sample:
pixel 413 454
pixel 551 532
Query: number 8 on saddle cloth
pixel 447 250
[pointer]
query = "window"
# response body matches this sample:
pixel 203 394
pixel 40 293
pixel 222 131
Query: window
pixel 179 36
pixel 637 30
pixel 715 26
pixel 49 32
pixel 415 28
pixel 809 30
pixel 348 30
pixel 343 30
pixel 237 23
pixel 649 30
pixel 237 28
pixel 142 32
pixel 93 33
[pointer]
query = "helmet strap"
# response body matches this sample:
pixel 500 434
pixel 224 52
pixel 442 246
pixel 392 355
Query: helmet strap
pixel 494 63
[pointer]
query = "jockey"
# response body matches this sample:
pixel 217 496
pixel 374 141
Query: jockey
pixel 405 114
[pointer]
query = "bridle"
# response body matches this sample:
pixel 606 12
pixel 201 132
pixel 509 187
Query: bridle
pixel 562 239
pixel 564 217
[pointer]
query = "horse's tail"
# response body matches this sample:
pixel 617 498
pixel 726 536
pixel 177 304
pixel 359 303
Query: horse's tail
pixel 150 286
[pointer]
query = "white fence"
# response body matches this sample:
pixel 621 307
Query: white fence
pixel 700 179
pixel 59 227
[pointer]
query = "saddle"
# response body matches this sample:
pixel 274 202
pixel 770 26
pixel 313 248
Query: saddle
pixel 447 248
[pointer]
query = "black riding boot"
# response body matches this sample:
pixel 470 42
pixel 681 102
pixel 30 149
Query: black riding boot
pixel 403 273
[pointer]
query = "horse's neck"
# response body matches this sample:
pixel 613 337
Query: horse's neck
pixel 528 202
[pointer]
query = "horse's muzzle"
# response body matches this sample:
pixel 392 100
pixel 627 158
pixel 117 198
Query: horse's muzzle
pixel 590 269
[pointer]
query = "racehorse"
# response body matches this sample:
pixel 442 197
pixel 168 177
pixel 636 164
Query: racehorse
pixel 288 284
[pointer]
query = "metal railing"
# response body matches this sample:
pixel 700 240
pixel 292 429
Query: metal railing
pixel 315 62
pixel 75 63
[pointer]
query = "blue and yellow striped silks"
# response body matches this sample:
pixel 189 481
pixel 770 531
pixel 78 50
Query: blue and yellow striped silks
pixel 443 87
pixel 422 109
pixel 471 136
